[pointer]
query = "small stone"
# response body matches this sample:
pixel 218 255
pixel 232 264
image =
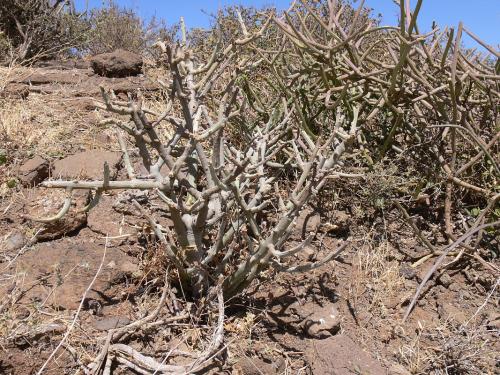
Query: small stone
pixel 493 321
pixel 455 287
pixel 407 272
pixel 486 280
pixel 465 295
pixel 93 305
pixel 33 171
pixel 254 366
pixel 105 324
pixel 423 199
pixel 445 280
pixel 339 223
pixel 324 322
pixel 15 241
pixel 422 302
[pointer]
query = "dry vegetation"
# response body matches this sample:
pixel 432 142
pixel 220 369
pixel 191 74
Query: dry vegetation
pixel 391 134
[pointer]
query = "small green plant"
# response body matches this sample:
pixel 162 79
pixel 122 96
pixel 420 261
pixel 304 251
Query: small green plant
pixel 11 183
pixel 3 156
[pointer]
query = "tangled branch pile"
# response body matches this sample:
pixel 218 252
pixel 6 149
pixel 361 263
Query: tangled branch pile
pixel 256 125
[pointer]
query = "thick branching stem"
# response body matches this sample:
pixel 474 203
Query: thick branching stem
pixel 213 189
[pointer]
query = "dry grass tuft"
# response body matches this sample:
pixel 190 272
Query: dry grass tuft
pixel 378 273
pixel 450 349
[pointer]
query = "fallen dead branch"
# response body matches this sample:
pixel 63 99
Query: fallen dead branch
pixel 440 260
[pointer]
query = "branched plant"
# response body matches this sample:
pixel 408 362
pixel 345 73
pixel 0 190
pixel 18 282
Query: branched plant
pixel 419 96
pixel 35 29
pixel 415 94
pixel 231 219
pixel 232 213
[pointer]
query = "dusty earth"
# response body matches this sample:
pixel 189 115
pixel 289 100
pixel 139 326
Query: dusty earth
pixel 345 318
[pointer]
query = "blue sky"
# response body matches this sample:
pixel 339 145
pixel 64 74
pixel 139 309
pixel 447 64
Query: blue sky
pixel 479 16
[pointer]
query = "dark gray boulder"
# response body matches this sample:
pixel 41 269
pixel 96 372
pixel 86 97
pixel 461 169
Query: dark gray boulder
pixel 119 63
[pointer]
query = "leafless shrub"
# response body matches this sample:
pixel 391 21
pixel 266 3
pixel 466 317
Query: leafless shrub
pixel 35 29
pixel 399 80
pixel 231 218
pixel 224 200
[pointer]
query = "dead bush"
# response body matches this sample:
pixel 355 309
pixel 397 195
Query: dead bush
pixel 449 349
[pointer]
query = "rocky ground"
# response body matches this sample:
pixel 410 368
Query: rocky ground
pixel 345 318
